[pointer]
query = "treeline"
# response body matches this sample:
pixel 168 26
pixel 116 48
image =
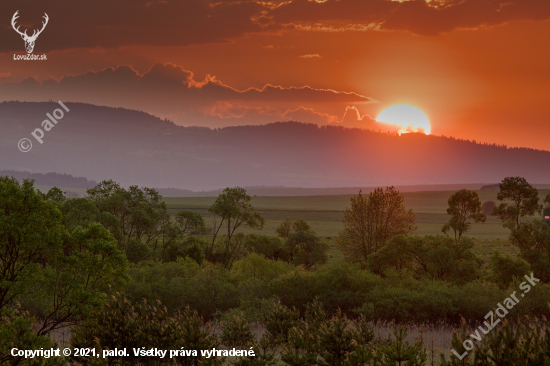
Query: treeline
pixel 116 268
pixel 50 179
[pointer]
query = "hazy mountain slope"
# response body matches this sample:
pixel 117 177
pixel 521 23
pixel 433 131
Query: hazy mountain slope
pixel 137 148
pixel 50 179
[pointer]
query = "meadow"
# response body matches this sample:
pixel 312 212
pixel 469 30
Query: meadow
pixel 258 292
pixel 325 213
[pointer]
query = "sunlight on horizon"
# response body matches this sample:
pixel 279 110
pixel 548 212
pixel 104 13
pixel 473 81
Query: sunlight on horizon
pixel 408 117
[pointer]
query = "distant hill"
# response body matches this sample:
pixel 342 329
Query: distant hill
pixel 297 191
pixel 134 147
pixel 50 179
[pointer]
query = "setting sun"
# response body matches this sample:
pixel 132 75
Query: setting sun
pixel 409 118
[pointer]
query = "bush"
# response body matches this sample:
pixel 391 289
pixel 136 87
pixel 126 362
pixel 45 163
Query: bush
pixel 408 305
pixel 184 283
pixel 307 249
pixel 337 285
pixel 256 266
pixel 505 268
pixel 507 344
pixel 432 256
pixel 270 247
pixel 124 324
pixel 236 332
pixel 16 331
pixel 191 247
pixel 137 251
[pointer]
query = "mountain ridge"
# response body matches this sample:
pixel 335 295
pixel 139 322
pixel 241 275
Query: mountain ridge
pixel 134 147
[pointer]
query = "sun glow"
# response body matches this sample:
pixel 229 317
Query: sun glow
pixel 409 118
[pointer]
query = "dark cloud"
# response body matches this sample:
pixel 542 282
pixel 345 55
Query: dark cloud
pixel 168 82
pixel 171 91
pixel 113 24
pixel 416 16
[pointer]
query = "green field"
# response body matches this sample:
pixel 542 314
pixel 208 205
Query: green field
pixel 324 214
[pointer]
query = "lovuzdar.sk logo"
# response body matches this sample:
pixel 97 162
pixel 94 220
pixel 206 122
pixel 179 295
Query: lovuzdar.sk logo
pixel 29 40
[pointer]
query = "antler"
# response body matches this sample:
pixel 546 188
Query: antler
pixel 34 35
pixel 15 16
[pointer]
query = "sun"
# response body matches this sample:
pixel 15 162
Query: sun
pixel 409 118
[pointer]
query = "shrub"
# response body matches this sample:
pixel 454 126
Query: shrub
pixel 191 247
pixel 257 266
pixel 236 332
pixel 432 256
pixel 279 321
pixel 507 344
pixel 123 324
pixel 270 247
pixel 206 288
pixel 337 285
pixel 505 268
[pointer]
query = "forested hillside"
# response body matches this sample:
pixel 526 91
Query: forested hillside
pixel 137 148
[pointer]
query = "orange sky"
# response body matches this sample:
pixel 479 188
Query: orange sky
pixel 479 70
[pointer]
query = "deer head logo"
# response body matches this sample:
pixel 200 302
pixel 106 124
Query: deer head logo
pixel 29 41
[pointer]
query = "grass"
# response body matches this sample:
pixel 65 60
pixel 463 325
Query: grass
pixel 325 213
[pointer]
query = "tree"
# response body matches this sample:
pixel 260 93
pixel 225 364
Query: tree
pixel 189 222
pixel 524 197
pixel 294 233
pixel 284 229
pixel 232 249
pixel 307 249
pixel 533 240
pixel 75 280
pixel 31 231
pixel 302 246
pixel 235 210
pixel 79 212
pixel 142 212
pixel 463 205
pixel 55 194
pixel 123 323
pixel 371 221
pixel 270 247
pixel 58 275
pixel 437 257
pixel 398 350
